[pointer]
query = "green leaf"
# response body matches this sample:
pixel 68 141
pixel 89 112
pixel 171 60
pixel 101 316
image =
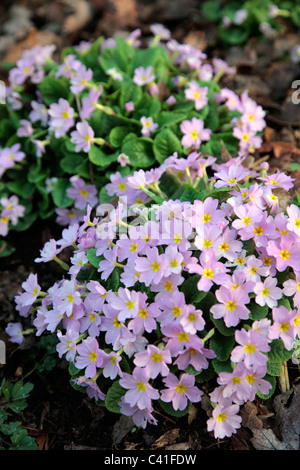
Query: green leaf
pixel 165 144
pixel 100 158
pixel 168 118
pixel 221 327
pixel 139 150
pixel 278 352
pixel 222 346
pixel 5 249
pixel 221 366
pixel 93 258
pixel 132 93
pixel 256 311
pixel 274 368
pixel 113 397
pixel 117 136
pixel 272 381
pixel 53 88
pixel 168 408
pixel 59 193
pixel 191 292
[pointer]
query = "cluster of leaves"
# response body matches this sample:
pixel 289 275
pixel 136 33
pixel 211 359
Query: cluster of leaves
pixel 13 400
pixel 256 18
pixel 118 130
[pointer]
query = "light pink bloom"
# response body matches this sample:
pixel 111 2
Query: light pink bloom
pixel 267 292
pixel 194 133
pixel 232 305
pixel 252 347
pixel 224 421
pixel 283 326
pixel 196 93
pixel 179 391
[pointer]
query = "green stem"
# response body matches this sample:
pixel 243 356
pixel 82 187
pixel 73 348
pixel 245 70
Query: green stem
pixel 62 264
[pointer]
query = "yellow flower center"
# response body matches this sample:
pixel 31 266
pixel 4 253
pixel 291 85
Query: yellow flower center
pixel 284 254
pixel 143 313
pixel 93 356
pixel 156 357
pixel 180 388
pixel 155 266
pixel 231 305
pixel 221 417
pixel 141 386
pixel 208 273
pixel 176 311
pixel 206 218
pixel 250 348
pixel 284 327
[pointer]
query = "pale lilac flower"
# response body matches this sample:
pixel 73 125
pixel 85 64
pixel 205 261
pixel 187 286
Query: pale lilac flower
pixel 145 320
pixel 90 357
pixel 194 133
pixel 111 365
pixel 285 253
pixel 194 356
pixel 291 287
pixel 154 360
pixel 61 117
pixel 25 67
pixel 160 30
pixel 293 221
pixel 127 303
pixel 230 175
pixel 40 146
pixel 15 332
pixel 82 193
pixel 80 79
pixel 26 129
pixel 143 75
pixel 211 271
pixel 32 290
pixel 114 74
pixel 39 112
pixel 192 321
pixel 132 38
pixel 129 106
pixel 240 16
pixel 82 137
pixel 139 417
pixel 10 155
pixel 235 384
pixel 196 93
pixel 224 421
pixel 48 252
pixel 267 292
pixel 278 180
pixel 283 326
pixel 252 349
pixel 256 381
pixel 148 126
pixel 232 305
pixel 67 344
pixel 140 392
pixel 68 216
pixel 89 103
pixel 123 159
pixel 151 267
pixel 173 307
pixel 92 389
pixel 179 391
pixel 12 209
pixel 66 298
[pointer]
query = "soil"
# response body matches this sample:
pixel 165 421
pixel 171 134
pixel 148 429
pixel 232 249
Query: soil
pixel 58 416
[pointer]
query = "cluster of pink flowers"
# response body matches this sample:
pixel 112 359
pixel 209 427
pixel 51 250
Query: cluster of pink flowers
pixel 10 213
pixel 154 249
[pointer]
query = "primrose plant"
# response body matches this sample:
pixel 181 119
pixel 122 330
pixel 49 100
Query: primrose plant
pixel 239 21
pixel 106 107
pixel 185 282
